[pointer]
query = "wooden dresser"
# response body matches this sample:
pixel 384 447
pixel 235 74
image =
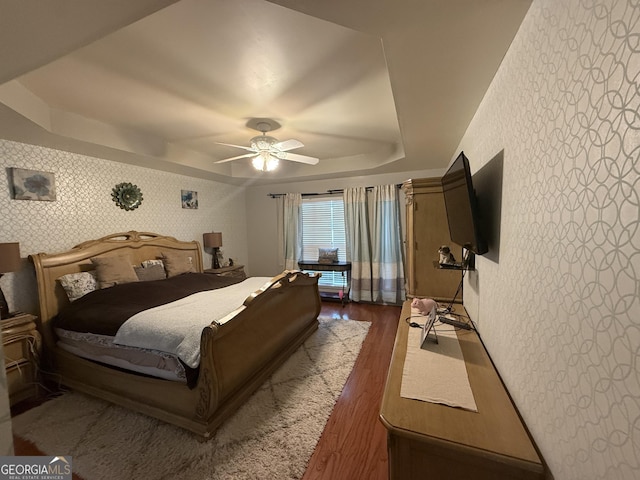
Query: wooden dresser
pixel 433 441
pixel 21 345
pixel 428 229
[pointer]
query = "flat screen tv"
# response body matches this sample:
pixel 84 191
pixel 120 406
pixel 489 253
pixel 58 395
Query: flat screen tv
pixel 462 207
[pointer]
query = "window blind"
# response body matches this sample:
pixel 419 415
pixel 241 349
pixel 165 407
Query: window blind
pixel 323 227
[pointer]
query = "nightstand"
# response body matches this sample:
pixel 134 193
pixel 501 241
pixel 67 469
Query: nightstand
pixel 234 271
pixel 21 345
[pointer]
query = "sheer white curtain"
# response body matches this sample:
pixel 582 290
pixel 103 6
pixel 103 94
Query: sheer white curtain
pixel 290 219
pixel 356 218
pixel 387 252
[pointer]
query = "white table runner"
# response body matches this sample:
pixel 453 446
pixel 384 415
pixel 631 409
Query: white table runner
pixel 437 372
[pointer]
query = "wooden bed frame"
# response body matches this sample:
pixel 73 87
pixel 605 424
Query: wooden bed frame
pixel 236 357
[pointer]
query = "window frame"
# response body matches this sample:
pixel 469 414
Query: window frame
pixel 336 238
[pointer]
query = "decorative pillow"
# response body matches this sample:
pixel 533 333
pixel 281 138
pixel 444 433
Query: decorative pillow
pixel 149 263
pixel 176 263
pixel 77 285
pixel 114 270
pixel 152 272
pixel 327 255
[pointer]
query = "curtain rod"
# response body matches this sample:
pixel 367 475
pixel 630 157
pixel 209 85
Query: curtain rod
pixel 328 192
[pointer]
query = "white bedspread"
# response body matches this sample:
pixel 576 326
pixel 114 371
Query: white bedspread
pixel 177 326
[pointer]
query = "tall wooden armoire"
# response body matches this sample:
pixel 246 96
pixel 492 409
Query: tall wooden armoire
pixel 428 229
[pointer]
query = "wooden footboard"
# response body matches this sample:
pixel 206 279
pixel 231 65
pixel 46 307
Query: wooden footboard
pixel 236 356
pixel 239 355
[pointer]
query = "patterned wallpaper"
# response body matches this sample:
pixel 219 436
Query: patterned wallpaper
pixel 560 312
pixel 84 210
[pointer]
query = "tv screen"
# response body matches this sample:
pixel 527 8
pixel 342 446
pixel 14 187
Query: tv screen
pixel 461 205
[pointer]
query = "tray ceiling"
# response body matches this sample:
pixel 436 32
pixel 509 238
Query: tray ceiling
pixel 367 87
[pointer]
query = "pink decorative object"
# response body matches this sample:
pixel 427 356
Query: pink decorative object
pixel 424 305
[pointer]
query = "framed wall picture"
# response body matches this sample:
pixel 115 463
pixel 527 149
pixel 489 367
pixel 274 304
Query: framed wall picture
pixel 189 199
pixel 32 185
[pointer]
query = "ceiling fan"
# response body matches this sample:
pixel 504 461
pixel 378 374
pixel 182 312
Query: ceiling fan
pixel 267 151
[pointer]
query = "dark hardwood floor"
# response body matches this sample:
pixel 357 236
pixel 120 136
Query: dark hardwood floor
pixel 353 445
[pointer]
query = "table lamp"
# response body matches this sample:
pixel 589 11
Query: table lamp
pixel 213 240
pixel 9 262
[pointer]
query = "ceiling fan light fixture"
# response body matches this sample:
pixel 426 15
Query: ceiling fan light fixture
pixel 266 151
pixel 262 142
pixel 272 163
pixel 265 162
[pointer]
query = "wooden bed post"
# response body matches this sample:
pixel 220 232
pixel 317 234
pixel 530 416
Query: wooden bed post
pixel 208 385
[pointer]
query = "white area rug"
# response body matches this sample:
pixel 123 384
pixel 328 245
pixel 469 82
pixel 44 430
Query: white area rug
pixel 271 437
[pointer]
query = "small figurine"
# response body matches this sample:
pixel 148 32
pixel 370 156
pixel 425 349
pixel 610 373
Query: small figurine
pixel 231 262
pixel 446 257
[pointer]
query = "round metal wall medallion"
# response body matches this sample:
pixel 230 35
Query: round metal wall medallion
pixel 127 196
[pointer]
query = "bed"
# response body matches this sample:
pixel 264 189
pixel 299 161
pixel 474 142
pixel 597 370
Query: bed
pixel 236 354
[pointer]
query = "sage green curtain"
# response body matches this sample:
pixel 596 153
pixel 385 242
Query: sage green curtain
pixel 387 251
pixel 356 218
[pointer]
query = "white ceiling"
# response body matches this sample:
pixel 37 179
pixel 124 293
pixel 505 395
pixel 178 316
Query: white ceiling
pixel 369 86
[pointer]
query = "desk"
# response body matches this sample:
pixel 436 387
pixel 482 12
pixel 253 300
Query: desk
pixel 343 267
pixel 429 440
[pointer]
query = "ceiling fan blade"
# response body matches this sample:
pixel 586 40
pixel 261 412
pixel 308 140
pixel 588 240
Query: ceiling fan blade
pixel 287 145
pixel 236 146
pixel 295 157
pixel 252 154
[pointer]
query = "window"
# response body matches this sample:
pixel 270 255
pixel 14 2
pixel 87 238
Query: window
pixel 323 227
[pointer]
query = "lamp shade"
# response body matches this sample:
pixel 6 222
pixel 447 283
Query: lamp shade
pixel 9 257
pixel 212 240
